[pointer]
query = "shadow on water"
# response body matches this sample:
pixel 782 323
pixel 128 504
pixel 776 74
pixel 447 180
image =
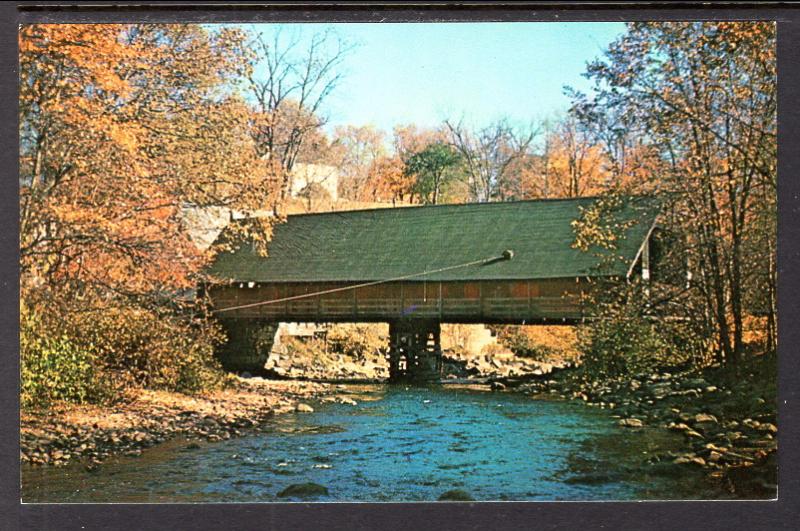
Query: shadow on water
pixel 398 444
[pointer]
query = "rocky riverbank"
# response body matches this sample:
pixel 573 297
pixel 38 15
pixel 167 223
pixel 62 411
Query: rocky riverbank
pixel 91 434
pixel 729 430
pixel 727 418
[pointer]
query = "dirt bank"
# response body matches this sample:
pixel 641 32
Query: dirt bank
pixel 91 434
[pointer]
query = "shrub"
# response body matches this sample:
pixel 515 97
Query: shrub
pixel 143 348
pixel 542 343
pixel 357 341
pixel 625 342
pixel 94 350
pixel 54 368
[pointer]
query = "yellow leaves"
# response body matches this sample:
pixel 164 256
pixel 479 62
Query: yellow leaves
pixel 127 123
pixel 599 225
pixel 126 138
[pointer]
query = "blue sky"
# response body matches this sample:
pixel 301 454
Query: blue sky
pixel 424 73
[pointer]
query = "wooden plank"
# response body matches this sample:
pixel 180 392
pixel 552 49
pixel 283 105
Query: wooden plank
pixel 395 301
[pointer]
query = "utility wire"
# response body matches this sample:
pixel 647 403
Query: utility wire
pixel 505 256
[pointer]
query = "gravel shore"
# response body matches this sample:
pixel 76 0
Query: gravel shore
pixel 91 434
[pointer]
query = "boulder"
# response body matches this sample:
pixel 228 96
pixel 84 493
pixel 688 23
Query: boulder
pixel 631 423
pixel 768 427
pixel 694 383
pixel 456 495
pixel 303 490
pixel 660 390
pixel 303 408
pixel 705 417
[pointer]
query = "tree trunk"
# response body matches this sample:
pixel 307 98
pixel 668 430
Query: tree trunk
pixel 736 295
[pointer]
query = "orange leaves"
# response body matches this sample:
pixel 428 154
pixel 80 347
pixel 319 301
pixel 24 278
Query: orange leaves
pixel 360 147
pixel 120 126
pixel 410 139
pixel 87 55
pixel 577 168
pixel 568 163
pixel 387 180
pixel 698 102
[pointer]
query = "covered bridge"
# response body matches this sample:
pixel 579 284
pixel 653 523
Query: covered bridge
pixel 416 267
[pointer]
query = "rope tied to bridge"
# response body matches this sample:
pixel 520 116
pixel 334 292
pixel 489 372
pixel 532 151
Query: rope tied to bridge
pixel 506 255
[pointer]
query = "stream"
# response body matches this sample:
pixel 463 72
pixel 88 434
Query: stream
pixel 399 444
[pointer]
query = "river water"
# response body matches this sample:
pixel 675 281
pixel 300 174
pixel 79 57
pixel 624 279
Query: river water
pixel 399 444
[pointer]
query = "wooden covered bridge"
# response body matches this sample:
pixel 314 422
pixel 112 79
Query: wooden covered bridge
pixel 417 267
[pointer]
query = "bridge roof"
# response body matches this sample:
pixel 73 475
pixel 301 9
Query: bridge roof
pixel 378 244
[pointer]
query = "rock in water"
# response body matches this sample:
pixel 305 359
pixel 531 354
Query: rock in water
pixel 631 423
pixel 456 495
pixel 497 386
pixel 303 490
pixel 304 408
pixel 705 417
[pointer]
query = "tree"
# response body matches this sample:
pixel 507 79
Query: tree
pixel 410 139
pixel 568 163
pixel 701 97
pixel 360 147
pixel 388 180
pixel 526 178
pixel 121 126
pixel 289 86
pixel 317 197
pixel 575 164
pixel 431 169
pixel 488 154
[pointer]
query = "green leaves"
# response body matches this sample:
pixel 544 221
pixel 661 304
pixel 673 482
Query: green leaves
pixel 625 341
pixel 54 369
pixel 432 168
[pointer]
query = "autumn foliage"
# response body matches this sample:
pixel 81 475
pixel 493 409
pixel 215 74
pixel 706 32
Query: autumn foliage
pixel 123 127
pixel 694 105
pixel 120 127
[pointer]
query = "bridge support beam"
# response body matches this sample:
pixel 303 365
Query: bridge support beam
pixel 415 353
pixel 248 346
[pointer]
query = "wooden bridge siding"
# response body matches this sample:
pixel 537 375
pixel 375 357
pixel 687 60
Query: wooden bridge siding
pixel 481 301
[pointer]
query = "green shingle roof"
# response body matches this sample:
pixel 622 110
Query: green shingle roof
pixel 368 245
